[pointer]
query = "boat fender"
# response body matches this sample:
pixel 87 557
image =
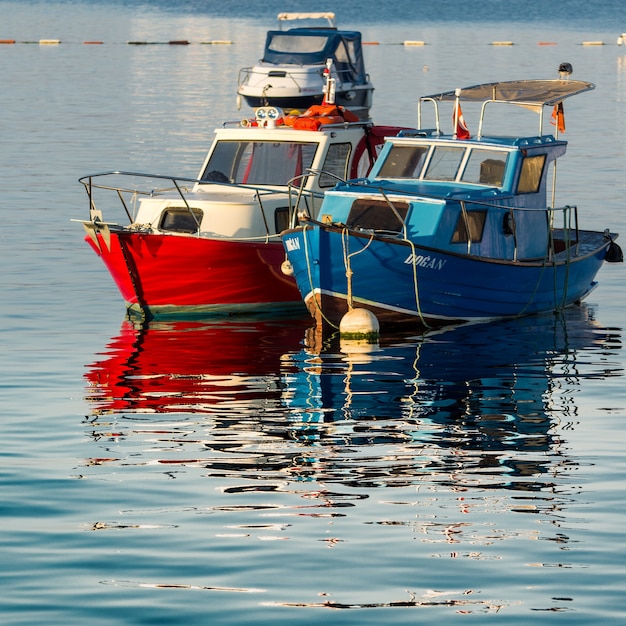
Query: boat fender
pixel 360 324
pixel 614 253
pixel 508 224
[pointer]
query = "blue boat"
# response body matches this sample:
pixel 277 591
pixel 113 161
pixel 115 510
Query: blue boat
pixel 453 228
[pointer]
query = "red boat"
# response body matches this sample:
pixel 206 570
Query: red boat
pixel 212 245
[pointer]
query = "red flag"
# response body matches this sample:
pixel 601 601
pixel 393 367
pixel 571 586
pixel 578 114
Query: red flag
pixel 558 117
pixel 457 117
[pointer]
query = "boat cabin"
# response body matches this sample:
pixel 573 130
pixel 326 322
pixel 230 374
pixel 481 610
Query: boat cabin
pixel 255 175
pixel 292 71
pixel 313 46
pixel 483 195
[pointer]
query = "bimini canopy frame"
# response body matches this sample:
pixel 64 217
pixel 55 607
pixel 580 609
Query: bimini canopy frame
pixel 533 94
pixel 326 15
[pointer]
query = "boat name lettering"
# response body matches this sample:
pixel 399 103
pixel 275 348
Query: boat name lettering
pixel 292 244
pixel 425 261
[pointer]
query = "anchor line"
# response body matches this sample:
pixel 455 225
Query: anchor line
pixel 132 275
pixel 551 258
pixel 310 277
pixel 566 235
pixel 543 267
pixel 345 238
pixel 415 283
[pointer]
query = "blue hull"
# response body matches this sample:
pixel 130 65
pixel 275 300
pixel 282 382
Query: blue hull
pixel 403 283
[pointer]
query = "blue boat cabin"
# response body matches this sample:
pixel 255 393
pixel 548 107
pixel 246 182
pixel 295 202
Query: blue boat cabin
pixel 486 197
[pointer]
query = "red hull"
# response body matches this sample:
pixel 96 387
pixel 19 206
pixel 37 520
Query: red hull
pixel 166 273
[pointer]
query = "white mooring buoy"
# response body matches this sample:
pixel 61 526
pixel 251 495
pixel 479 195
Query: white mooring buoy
pixel 359 324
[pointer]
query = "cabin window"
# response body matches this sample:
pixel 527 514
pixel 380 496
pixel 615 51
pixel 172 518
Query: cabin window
pixel 335 167
pixel 373 214
pixel 293 43
pixel 181 220
pixel 281 219
pixel 258 162
pixel 474 221
pixel 444 163
pixel 341 54
pixel 530 176
pixel 403 162
pixel 485 167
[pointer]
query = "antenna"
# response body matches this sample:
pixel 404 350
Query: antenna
pixel 329 88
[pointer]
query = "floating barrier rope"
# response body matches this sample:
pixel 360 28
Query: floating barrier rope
pixel 409 43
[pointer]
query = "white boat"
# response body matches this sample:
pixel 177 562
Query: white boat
pixel 296 62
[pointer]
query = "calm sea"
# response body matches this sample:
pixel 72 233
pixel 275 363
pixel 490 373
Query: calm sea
pixel 220 472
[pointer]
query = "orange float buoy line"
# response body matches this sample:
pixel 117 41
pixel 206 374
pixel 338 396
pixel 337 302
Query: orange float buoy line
pixel 186 42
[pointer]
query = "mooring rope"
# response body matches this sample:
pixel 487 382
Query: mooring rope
pixel 310 277
pixel 346 261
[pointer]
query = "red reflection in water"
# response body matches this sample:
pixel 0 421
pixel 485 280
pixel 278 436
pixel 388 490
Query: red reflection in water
pixel 188 365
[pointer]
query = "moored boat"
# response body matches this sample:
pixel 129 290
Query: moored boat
pixel 211 245
pixel 295 63
pixel 449 228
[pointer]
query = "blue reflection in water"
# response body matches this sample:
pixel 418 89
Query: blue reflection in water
pixel 476 401
pixel 484 403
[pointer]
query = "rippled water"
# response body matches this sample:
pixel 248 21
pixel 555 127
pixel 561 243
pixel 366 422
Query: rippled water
pixel 237 471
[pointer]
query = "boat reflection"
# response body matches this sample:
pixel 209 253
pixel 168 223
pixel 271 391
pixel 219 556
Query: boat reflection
pixel 485 404
pixel 191 366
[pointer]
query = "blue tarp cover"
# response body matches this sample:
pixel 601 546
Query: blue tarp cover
pixel 310 46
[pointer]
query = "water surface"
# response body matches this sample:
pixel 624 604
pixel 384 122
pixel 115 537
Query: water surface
pixel 233 471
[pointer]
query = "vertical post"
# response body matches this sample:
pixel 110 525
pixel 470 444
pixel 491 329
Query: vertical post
pixel 329 87
pixel 457 93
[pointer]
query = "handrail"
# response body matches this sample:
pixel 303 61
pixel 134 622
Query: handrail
pixel 173 179
pixel 570 214
pixel 299 182
pixel 178 184
pixel 376 188
pixel 343 75
pixel 568 211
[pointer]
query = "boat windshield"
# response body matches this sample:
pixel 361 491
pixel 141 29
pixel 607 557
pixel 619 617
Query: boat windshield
pixel 284 42
pixel 403 162
pixel 259 162
pixel 483 166
pixel 444 163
